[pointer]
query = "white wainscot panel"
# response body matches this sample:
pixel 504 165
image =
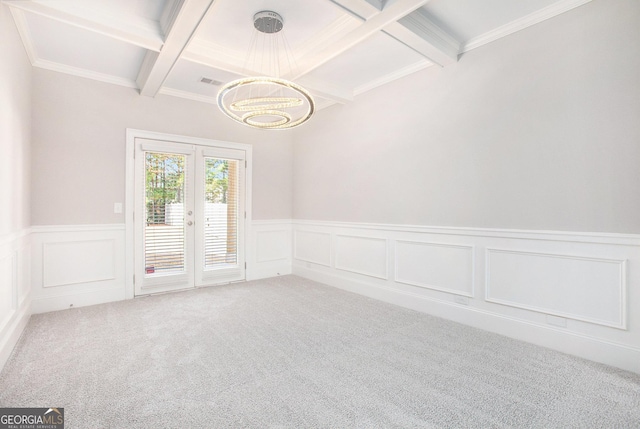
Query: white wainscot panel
pixel 588 289
pixel 362 255
pixel 7 287
pixel 443 267
pixel 66 263
pixel 311 246
pixel 23 274
pixel 272 245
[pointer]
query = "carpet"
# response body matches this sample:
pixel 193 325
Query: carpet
pixel 288 352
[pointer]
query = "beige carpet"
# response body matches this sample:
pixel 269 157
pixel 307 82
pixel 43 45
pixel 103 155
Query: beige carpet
pixel 290 353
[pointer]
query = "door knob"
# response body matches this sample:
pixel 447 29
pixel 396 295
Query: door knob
pixel 189 223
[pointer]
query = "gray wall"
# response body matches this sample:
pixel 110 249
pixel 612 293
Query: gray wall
pixel 538 130
pixel 79 148
pixel 15 127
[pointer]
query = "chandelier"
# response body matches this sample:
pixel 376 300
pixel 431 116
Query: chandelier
pixel 267 101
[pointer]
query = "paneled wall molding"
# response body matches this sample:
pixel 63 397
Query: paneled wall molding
pixel 15 290
pixel 62 262
pixel 269 248
pixel 313 247
pixel 612 284
pixel 572 291
pixel 77 265
pixel 266 240
pixel 463 269
pixel 362 255
pixel 12 330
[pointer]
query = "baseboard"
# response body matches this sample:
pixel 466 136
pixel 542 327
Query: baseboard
pixel 12 331
pixel 45 304
pixel 594 349
pixel 273 271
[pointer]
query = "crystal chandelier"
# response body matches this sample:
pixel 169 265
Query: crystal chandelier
pixel 267 101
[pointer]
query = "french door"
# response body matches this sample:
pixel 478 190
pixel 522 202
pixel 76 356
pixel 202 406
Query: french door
pixel 188 216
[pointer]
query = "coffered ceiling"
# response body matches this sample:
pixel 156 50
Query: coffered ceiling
pixel 342 48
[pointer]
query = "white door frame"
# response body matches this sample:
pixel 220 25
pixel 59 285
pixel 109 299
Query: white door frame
pixel 132 135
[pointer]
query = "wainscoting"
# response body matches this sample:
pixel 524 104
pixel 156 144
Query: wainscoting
pixel 79 265
pixel 15 289
pixel 269 249
pixel 577 293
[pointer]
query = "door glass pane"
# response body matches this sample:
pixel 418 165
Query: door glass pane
pixel 221 213
pixel 164 232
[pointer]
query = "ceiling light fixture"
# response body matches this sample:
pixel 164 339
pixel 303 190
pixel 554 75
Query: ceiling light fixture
pixel 267 101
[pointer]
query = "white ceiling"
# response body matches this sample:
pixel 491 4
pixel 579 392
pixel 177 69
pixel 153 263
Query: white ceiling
pixel 341 47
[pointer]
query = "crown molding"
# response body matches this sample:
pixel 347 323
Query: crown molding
pixel 405 71
pixel 88 74
pixel 522 23
pixel 188 95
pixel 25 34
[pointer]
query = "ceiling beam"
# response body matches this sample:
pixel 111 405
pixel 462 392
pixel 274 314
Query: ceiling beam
pixel 390 14
pixel 360 9
pixel 420 33
pixel 139 31
pixel 183 21
pixel 201 52
pixel 415 30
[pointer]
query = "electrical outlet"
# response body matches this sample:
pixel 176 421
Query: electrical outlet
pixel 461 300
pixel 117 208
pixel 556 321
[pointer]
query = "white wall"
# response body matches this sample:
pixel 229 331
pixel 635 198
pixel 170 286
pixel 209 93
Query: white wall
pixel 15 141
pixel 79 148
pixel 433 192
pixel 538 130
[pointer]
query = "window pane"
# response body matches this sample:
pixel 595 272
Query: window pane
pixel 221 213
pixel 164 234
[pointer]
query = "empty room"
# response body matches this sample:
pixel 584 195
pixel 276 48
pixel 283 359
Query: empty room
pixel 319 214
